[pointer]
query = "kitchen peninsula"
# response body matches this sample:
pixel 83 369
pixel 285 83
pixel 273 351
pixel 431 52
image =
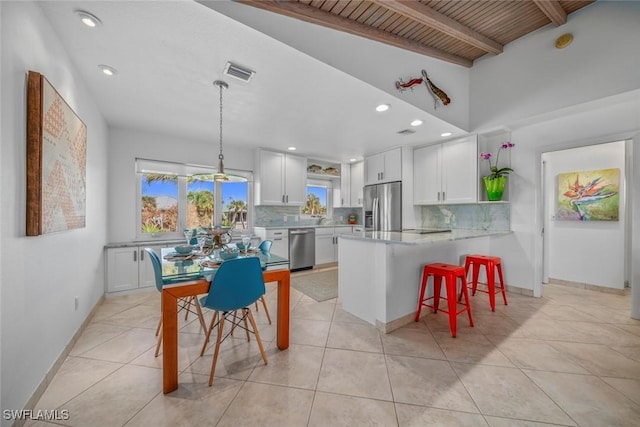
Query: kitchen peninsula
pixel 379 272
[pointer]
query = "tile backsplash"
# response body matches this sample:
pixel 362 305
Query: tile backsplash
pixel 273 216
pixel 483 216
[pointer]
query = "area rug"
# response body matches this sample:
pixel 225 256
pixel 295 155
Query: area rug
pixel 320 285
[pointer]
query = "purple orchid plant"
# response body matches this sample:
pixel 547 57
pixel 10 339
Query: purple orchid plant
pixel 495 172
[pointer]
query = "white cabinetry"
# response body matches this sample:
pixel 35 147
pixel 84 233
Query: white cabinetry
pixel 281 179
pixel 130 268
pixel 446 173
pixel 327 243
pixel 279 238
pixel 351 182
pixel 383 167
pixel 357 182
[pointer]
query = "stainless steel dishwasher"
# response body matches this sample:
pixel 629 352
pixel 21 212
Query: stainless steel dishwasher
pixel 302 248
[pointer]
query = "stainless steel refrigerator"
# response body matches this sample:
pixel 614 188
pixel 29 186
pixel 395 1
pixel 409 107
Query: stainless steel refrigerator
pixel 383 207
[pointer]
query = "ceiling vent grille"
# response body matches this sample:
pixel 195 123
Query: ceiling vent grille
pixel 406 132
pixel 238 72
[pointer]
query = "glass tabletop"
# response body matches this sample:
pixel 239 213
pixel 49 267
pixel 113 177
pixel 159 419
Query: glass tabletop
pixel 192 268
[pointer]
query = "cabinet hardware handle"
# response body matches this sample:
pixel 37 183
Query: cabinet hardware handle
pixel 141 254
pixel 443 196
pixel 287 198
pixel 438 196
pixel 135 255
pixel 283 198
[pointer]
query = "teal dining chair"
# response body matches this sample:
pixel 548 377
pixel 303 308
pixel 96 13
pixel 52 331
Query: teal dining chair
pixel 183 303
pixel 237 284
pixel 265 248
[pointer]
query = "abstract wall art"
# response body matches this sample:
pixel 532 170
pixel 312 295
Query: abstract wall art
pixel 589 195
pixel 56 161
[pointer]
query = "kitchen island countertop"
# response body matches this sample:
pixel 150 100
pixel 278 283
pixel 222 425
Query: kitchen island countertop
pixel 414 238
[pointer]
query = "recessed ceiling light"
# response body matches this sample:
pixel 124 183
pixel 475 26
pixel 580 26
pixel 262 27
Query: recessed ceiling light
pixel 445 134
pixel 352 160
pixel 88 19
pixel 416 122
pixel 382 107
pixel 291 148
pixel 107 70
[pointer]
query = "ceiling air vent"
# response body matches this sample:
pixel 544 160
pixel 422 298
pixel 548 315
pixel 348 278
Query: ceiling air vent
pixel 238 72
pixel 406 132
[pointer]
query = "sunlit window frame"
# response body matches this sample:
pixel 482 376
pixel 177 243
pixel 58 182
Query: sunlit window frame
pixel 328 184
pixel 183 170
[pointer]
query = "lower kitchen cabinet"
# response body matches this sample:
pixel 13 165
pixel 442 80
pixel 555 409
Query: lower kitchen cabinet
pixel 130 268
pixel 278 237
pixel 327 243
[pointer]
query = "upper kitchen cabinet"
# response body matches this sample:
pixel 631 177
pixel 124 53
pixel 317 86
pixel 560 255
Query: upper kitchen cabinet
pixel 446 173
pixel 280 179
pixel 383 167
pixel 351 182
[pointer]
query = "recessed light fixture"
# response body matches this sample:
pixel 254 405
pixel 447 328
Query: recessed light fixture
pixel 445 134
pixel 291 148
pixel 107 70
pixel 417 122
pixel 352 160
pixel 88 19
pixel 382 107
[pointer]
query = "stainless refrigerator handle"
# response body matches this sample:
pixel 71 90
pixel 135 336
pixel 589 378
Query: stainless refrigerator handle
pixel 376 225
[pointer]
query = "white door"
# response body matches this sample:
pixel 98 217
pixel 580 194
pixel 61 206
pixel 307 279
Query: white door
pixel 357 182
pixel 460 171
pixel 427 181
pixel 122 269
pixel 146 274
pixel 271 178
pixel 295 183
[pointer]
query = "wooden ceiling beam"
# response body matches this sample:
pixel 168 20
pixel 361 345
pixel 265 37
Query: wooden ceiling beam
pixel 553 10
pixel 326 19
pixel 427 16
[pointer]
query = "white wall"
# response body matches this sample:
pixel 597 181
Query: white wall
pixel 532 77
pixel 590 252
pixel 126 145
pixel 40 276
pixel 551 99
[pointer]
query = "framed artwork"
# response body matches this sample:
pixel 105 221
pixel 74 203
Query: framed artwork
pixel 56 161
pixel 589 195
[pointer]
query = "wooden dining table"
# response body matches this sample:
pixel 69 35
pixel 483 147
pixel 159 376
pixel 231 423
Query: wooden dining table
pixel 191 280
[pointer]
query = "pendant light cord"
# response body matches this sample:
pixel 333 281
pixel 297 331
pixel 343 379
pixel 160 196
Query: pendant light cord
pixel 220 156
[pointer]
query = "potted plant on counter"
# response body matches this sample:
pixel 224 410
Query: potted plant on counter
pixel 494 182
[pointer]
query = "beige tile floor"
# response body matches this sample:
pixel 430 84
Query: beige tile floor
pixel 571 358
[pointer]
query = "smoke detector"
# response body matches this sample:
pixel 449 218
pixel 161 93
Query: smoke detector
pixel 238 72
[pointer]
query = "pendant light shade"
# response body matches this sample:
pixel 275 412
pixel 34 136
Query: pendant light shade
pixel 220 175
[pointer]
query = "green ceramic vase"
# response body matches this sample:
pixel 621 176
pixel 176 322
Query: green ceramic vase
pixel 494 187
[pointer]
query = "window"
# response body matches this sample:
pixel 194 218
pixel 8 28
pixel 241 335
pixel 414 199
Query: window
pixel 174 196
pixel 318 198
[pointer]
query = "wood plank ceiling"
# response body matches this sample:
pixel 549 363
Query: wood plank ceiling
pixel 457 31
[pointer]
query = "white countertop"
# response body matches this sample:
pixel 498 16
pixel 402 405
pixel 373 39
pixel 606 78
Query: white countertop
pixel 412 238
pixel 286 227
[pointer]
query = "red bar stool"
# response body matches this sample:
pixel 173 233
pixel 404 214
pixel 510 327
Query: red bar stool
pixel 491 263
pixel 451 274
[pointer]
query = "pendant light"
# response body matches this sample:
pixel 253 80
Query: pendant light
pixel 220 175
